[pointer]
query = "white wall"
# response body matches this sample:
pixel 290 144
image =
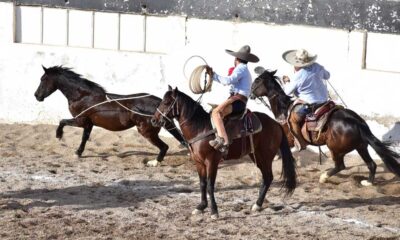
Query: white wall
pixel 101 46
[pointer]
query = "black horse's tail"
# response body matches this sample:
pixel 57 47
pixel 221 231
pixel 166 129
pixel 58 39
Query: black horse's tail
pixel 382 149
pixel 288 166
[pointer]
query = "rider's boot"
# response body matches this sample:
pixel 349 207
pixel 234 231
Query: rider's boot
pixel 296 123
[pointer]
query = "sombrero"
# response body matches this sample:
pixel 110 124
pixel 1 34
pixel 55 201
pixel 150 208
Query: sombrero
pixel 299 58
pixel 244 54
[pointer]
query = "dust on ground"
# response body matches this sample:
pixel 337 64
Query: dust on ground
pixel 109 193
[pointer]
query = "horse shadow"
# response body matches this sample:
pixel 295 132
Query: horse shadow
pixel 126 154
pixel 357 202
pixel 118 194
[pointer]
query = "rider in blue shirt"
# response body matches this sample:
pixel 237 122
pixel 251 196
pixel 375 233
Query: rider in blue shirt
pixel 240 84
pixel 308 85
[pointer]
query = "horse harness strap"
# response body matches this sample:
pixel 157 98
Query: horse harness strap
pixel 201 136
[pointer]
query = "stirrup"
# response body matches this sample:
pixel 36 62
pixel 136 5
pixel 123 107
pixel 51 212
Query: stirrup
pixel 224 148
pixel 217 143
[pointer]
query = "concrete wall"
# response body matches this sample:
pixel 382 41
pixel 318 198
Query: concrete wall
pixel 129 53
pixel 369 15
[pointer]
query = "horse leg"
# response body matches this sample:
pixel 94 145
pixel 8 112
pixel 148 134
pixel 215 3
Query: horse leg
pixel 371 166
pixel 212 167
pixel 266 170
pixel 61 125
pixel 85 136
pixel 201 170
pixel 151 134
pixel 81 122
pixel 339 166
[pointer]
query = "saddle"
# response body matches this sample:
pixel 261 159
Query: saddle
pixel 242 125
pixel 316 121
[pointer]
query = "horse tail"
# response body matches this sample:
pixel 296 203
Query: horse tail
pixel 288 166
pixel 382 149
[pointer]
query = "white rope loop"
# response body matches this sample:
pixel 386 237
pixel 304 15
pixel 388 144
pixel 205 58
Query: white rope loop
pixel 109 100
pixel 195 81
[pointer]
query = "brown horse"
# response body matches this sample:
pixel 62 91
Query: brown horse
pixel 345 130
pixel 195 123
pixel 92 106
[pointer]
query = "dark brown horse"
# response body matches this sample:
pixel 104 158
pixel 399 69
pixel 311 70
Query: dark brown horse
pixel 195 123
pixel 87 102
pixel 345 130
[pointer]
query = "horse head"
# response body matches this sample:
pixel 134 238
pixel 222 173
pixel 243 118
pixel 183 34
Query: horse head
pixel 47 85
pixel 167 110
pixel 265 84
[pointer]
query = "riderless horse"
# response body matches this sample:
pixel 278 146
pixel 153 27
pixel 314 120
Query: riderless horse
pixel 90 105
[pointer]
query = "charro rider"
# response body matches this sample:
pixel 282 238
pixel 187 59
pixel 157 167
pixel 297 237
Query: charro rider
pixel 240 84
pixel 308 85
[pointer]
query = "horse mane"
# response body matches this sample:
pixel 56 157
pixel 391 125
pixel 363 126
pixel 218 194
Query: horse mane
pixel 195 110
pixel 283 100
pixel 70 75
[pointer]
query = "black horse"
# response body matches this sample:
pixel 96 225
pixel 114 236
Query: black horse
pixel 91 105
pixel 345 130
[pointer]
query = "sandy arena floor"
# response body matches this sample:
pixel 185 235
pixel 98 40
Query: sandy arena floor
pixel 109 193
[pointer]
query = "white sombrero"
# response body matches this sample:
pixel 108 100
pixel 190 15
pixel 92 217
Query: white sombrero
pixel 244 54
pixel 299 58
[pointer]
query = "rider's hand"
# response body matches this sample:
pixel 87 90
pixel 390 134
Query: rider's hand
pixel 209 71
pixel 285 79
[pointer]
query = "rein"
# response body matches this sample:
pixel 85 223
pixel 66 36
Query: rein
pixel 109 100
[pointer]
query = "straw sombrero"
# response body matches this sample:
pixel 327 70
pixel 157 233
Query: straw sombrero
pixel 244 54
pixel 299 58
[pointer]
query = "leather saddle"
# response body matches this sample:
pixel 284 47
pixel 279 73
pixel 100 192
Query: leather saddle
pixel 316 121
pixel 242 125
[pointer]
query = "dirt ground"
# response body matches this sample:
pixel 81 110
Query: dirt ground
pixel 109 193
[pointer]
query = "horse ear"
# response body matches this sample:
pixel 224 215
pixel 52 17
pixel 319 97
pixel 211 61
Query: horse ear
pixel 169 88
pixel 273 72
pixel 259 70
pixel 44 69
pixel 174 92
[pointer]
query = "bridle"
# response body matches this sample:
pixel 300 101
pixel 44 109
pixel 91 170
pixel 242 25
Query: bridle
pixel 169 109
pixel 175 111
pixel 260 97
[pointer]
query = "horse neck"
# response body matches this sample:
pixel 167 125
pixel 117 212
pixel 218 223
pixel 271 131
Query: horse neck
pixel 279 105
pixel 72 91
pixel 193 119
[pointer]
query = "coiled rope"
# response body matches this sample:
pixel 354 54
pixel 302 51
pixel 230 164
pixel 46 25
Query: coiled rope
pixel 195 81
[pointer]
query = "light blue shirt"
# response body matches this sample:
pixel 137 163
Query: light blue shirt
pixel 308 84
pixel 239 81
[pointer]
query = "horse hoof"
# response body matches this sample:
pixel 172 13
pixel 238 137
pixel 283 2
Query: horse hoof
pixel 255 208
pixel 152 163
pixel 323 178
pixel 197 212
pixel 366 183
pixel 214 216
